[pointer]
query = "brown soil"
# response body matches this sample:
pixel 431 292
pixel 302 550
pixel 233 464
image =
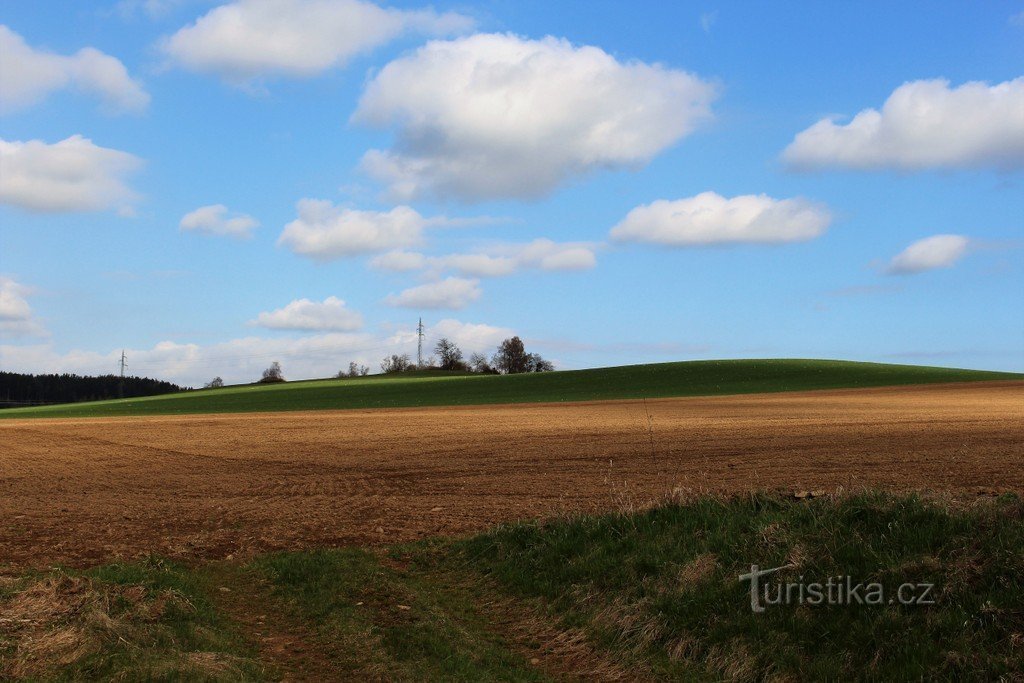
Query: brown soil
pixel 84 491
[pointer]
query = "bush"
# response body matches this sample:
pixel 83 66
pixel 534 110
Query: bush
pixel 272 374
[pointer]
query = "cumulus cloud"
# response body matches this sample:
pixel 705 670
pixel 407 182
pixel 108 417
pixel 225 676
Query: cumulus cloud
pixel 302 314
pixel 214 220
pixel 452 292
pixel 923 125
pixel 28 76
pixel 499 116
pixel 70 175
pixel 250 39
pixel 937 251
pixel 16 318
pixel 543 254
pixel 709 218
pixel 324 231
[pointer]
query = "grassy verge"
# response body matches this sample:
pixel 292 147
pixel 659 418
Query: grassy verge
pixel 652 594
pixel 694 378
pixel 132 622
pixel 661 588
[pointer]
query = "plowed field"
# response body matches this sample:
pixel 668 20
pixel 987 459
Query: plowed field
pixel 84 491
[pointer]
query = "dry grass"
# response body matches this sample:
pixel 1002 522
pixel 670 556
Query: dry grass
pixel 65 624
pixel 54 622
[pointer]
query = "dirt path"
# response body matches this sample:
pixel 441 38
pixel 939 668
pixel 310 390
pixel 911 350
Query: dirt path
pixel 200 487
pixel 287 647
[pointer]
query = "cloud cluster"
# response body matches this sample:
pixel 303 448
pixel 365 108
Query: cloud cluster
pixel 70 175
pixel 251 39
pixel 923 125
pixel 937 251
pixel 214 220
pixel 709 218
pixel 498 116
pixel 450 293
pixel 242 360
pixel 28 76
pixel 312 316
pixel 16 319
pixel 324 231
pixel 543 254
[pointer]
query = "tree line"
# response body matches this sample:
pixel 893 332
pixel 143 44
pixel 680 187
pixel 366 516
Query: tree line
pixel 511 358
pixel 17 389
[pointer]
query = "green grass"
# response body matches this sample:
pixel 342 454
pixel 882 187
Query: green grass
pixel 652 594
pixel 375 620
pixel 693 378
pixel 660 589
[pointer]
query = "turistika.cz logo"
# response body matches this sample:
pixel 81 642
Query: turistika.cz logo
pixel 837 590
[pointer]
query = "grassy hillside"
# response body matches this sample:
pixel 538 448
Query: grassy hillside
pixel 693 378
pixel 651 595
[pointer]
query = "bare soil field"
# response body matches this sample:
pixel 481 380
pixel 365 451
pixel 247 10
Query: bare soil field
pixel 85 491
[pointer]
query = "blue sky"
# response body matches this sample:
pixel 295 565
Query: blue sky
pixel 637 110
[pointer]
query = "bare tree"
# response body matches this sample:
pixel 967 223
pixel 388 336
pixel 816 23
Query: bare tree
pixel 215 383
pixel 450 355
pixel 537 364
pixel 354 370
pixel 273 374
pixel 395 363
pixel 478 363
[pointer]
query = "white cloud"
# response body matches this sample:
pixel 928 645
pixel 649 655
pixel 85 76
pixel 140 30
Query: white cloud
pixel 399 261
pixel 214 220
pixel 710 218
pixel 302 314
pixel 324 231
pixel 237 360
pixel 502 260
pixel 548 255
pixel 922 125
pixel 476 265
pixel 493 116
pixel 16 318
pixel 452 292
pixel 937 251
pixel 249 39
pixel 470 337
pixel 70 175
pixel 243 360
pixel 28 76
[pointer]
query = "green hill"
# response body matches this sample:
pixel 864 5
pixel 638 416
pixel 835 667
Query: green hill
pixel 660 380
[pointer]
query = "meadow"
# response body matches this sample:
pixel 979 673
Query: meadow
pixel 437 388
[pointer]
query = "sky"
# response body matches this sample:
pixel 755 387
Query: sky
pixel 213 187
